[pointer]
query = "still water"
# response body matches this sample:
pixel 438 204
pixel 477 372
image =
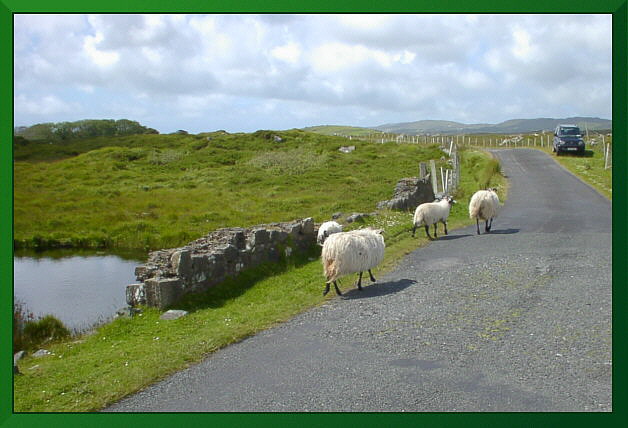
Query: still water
pixel 80 288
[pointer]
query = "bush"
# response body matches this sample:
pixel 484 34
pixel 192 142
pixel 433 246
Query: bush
pixel 44 330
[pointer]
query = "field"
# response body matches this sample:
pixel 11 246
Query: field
pixel 189 185
pixel 156 191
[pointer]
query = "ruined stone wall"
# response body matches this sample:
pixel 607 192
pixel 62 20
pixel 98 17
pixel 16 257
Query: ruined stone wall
pixel 170 274
pixel 408 194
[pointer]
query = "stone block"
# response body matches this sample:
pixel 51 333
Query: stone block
pixel 163 292
pixel 135 295
pixel 173 314
pixel 239 239
pixel 257 237
pixel 307 226
pixel 182 263
pixel 278 236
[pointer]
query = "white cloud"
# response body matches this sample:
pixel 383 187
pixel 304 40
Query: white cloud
pixel 290 53
pixel 41 106
pixel 103 58
pixel 343 68
pixel 522 48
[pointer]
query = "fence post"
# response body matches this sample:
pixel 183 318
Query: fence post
pixel 433 176
pixel 422 170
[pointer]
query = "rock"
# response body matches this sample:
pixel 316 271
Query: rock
pixel 17 357
pixel 347 149
pixel 173 314
pixel 41 353
pixel 408 194
pixel 127 312
pixel 336 216
pixel 357 217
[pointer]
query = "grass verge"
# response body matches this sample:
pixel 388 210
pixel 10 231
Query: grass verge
pixel 89 372
pixel 589 168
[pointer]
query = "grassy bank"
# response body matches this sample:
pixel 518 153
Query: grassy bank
pixel 158 191
pixel 88 372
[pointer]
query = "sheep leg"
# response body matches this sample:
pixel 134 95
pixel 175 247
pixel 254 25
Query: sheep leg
pixel 477 225
pixel 413 230
pixel 486 226
pixel 360 282
pixel 326 288
pixel 435 226
pixel 372 277
pixel 337 289
pixel 445 223
pixel 490 224
pixel 427 231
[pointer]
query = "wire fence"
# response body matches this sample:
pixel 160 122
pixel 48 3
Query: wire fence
pixel 449 177
pixel 595 142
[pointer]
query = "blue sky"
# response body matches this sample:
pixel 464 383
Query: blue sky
pixel 242 73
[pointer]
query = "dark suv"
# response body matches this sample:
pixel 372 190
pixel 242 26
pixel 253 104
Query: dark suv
pixel 567 138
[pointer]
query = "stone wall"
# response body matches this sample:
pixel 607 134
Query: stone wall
pixel 409 193
pixel 170 274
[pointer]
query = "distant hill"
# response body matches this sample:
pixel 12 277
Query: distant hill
pixel 512 126
pixel 340 130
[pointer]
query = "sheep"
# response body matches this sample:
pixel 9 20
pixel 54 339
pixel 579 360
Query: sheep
pixel 484 205
pixel 326 229
pixel 430 213
pixel 349 252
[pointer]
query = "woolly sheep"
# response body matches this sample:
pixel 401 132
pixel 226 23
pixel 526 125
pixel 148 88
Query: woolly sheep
pixel 326 229
pixel 484 205
pixel 349 252
pixel 431 213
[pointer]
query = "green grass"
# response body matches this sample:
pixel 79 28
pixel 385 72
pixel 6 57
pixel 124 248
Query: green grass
pixel 156 191
pixel 89 372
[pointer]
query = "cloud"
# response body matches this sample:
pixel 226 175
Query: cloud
pixel 102 58
pixel 41 106
pixel 290 53
pixel 283 70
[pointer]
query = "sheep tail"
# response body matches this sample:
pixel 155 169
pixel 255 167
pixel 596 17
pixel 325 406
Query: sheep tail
pixel 330 268
pixel 474 211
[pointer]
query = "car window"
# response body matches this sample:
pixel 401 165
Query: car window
pixel 569 131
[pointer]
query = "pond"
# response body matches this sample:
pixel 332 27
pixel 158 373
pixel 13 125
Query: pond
pixel 81 289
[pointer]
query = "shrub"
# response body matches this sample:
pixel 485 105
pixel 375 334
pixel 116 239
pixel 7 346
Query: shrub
pixel 35 333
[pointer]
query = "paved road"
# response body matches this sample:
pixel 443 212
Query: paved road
pixel 516 320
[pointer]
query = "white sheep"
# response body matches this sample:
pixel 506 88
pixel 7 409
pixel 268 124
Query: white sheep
pixel 326 229
pixel 431 213
pixel 484 205
pixel 349 252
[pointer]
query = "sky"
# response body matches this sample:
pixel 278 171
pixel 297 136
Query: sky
pixel 241 73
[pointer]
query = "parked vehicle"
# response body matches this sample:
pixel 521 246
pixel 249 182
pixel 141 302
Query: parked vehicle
pixel 568 138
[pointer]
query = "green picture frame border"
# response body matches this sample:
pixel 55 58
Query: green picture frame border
pixel 618 417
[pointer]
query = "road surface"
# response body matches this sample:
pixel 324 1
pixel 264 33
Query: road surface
pixel 515 320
